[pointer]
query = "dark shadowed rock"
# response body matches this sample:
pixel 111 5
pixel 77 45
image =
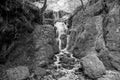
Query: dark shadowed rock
pixel 63 41
pixel 43 55
pixel 92 66
pixel 44 34
pixel 96 8
pixel 40 72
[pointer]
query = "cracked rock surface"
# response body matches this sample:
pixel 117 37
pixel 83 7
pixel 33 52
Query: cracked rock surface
pixel 59 40
pixel 92 66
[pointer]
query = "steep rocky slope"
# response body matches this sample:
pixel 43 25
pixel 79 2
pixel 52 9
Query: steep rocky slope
pixel 59 40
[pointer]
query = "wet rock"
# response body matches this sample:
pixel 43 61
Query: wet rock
pixel 83 45
pixel 80 77
pixel 111 30
pixel 115 60
pixel 45 44
pixel 85 36
pixel 44 55
pixel 92 66
pixel 49 77
pixel 111 60
pixel 104 79
pixel 63 39
pixel 111 75
pixel 72 39
pixel 48 14
pixel 18 73
pixel 44 34
pixel 57 74
pixel 95 9
pixel 77 53
pixel 68 76
pixel 78 20
pixel 39 72
pixel 106 59
pixel 48 17
pixel 67 62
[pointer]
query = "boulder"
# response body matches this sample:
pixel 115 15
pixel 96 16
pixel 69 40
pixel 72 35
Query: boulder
pixel 18 73
pixel 92 66
pixel 39 73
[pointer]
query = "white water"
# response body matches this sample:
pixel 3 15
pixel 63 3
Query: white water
pixel 67 6
pixel 62 29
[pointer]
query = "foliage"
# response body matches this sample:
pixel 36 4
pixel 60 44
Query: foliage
pixel 17 19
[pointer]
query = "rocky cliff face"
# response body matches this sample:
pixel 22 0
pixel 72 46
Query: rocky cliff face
pixel 60 40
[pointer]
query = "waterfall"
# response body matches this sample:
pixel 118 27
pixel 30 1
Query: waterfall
pixel 62 30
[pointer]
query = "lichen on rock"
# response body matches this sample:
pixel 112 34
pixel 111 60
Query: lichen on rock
pixel 92 66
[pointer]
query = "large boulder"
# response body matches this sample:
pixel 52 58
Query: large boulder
pixel 18 73
pixel 92 66
pixel 44 55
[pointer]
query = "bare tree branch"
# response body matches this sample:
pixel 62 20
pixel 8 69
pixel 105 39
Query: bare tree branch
pixel 82 4
pixel 44 6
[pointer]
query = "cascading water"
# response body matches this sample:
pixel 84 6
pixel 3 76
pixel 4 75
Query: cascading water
pixel 62 31
pixel 67 6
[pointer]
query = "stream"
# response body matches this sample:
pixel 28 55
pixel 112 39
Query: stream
pixel 62 31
